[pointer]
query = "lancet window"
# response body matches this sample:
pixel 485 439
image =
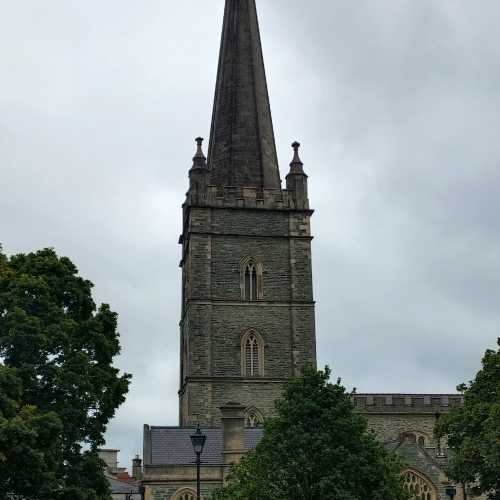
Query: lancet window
pixel 251 279
pixel 252 355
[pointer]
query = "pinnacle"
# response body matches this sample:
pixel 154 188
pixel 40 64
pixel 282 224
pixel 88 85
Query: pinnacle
pixel 199 160
pixel 296 158
pixel 296 166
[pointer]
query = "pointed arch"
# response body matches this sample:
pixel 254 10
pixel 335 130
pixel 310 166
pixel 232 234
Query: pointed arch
pixel 252 354
pixel 185 494
pixel 422 439
pixel 253 418
pixel 251 270
pixel 419 486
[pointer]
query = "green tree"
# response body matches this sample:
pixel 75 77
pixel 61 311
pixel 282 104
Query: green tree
pixel 473 430
pixel 316 447
pixel 57 351
pixel 29 441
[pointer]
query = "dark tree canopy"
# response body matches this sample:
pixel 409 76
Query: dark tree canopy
pixel 316 448
pixel 473 431
pixel 58 386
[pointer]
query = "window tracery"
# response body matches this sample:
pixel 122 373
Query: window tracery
pixel 419 487
pixel 253 418
pixel 185 494
pixel 251 279
pixel 252 355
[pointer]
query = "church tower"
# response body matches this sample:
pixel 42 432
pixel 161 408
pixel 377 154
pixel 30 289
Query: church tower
pixel 247 305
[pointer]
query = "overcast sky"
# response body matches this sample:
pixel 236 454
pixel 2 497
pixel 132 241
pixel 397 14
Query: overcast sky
pixel 397 106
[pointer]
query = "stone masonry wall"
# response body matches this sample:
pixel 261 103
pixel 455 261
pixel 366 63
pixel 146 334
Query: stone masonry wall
pixel 215 317
pixel 206 397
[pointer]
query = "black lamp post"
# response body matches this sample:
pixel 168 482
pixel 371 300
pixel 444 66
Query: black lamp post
pixel 451 491
pixel 198 441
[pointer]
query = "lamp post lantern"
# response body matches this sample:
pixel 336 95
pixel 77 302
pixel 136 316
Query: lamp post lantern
pixel 198 441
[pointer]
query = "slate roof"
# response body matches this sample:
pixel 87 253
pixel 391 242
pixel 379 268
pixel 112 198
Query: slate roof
pixel 118 487
pixel 172 445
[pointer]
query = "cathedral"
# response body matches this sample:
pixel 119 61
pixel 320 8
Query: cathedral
pixel 247 322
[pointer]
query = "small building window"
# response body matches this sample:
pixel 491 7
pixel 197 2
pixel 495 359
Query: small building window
pixel 252 355
pixel 251 279
pixel 421 441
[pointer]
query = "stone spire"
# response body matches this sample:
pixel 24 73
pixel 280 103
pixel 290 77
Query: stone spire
pixel 242 150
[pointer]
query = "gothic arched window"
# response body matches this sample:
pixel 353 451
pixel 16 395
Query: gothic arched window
pixel 251 279
pixel 253 418
pixel 419 487
pixel 252 355
pixel 185 494
pixel 416 437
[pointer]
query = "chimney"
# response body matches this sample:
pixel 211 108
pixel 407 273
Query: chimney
pixel 137 468
pixel 233 433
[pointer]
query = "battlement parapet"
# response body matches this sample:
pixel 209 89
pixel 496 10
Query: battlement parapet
pixel 245 197
pixel 406 403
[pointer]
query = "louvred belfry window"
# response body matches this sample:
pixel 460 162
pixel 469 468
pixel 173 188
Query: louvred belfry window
pixel 251 282
pixel 252 356
pixel 251 279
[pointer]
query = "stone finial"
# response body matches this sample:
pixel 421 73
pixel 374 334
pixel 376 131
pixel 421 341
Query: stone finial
pixel 296 180
pixel 296 167
pixel 296 158
pixel 199 160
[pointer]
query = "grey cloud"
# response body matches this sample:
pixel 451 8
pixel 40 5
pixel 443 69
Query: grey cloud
pixel 397 107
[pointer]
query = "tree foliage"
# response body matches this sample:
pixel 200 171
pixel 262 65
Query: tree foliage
pixel 316 448
pixel 58 386
pixel 473 430
pixel 29 440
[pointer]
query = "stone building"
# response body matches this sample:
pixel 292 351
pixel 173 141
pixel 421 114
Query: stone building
pixel 247 322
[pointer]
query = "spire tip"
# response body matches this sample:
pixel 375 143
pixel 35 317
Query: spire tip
pixel 296 158
pixel 199 159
